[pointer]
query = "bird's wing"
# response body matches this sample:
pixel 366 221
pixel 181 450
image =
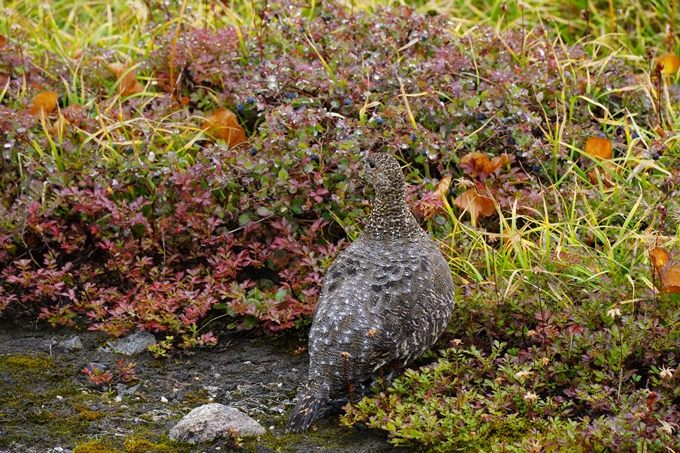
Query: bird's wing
pixel 416 308
pixel 382 305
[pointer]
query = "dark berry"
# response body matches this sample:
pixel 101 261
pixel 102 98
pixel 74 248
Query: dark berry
pixel 302 29
pixel 655 156
pixel 156 175
pixel 253 151
pixel 634 135
pixel 413 137
pixel 62 101
pixel 292 95
pixel 240 107
pixel 128 150
pixel 250 100
pixel 326 18
pixel 315 157
pixel 511 141
pixel 379 121
pixel 423 153
pixel 423 38
pixel 601 135
pixel 348 101
pixel 480 116
pixel 536 168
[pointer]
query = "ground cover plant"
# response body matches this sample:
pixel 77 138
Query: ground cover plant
pixel 192 168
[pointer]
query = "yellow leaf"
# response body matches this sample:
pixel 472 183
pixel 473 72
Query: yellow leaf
pixel 669 64
pixel 443 187
pixel 670 278
pixel 475 204
pixel 223 124
pixel 659 257
pixel 127 81
pixel 45 102
pixel 599 147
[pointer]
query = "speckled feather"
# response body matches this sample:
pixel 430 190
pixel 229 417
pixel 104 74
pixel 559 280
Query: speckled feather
pixel 385 299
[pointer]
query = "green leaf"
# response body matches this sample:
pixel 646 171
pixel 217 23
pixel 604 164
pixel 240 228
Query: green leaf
pixel 243 219
pixel 250 322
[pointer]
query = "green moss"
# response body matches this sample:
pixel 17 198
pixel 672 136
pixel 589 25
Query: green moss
pixel 134 445
pixel 330 437
pixel 96 446
pixel 37 363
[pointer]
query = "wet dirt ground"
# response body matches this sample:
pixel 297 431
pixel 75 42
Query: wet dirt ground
pixel 47 404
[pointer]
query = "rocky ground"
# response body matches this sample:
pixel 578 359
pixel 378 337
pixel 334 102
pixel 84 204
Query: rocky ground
pixel 47 404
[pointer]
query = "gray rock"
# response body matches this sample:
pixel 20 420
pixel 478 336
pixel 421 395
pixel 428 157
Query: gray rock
pixel 72 343
pixel 133 344
pixel 95 367
pixel 207 422
pixel 123 390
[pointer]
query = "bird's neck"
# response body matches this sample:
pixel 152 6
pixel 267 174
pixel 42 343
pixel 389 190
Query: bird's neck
pixel 391 217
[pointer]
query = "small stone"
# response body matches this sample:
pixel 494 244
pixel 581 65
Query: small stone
pixel 95 367
pixel 133 344
pixel 164 399
pixel 123 390
pixel 72 343
pixel 207 422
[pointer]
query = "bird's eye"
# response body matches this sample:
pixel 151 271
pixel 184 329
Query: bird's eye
pixel 371 164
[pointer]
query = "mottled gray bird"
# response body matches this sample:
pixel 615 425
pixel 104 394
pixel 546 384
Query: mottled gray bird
pixel 385 299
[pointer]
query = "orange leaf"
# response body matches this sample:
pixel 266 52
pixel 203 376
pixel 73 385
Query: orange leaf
pixel 595 176
pixel 127 81
pixel 670 278
pixel 669 64
pixel 477 163
pixel 475 204
pixel 443 187
pixel 223 124
pixel 3 41
pixel 59 126
pixel 474 162
pixel 659 257
pixel 498 162
pixel 599 147
pixel 45 102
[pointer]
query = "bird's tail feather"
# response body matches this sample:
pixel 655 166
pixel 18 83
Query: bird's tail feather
pixel 306 410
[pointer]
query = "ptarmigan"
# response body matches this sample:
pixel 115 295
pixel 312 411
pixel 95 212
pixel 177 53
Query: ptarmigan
pixel 385 299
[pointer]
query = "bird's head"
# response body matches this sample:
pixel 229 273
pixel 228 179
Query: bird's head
pixel 384 173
